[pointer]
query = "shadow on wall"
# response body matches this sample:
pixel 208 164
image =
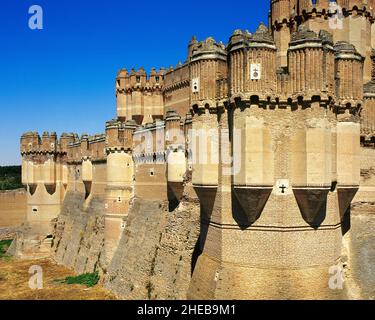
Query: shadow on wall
pixel 206 198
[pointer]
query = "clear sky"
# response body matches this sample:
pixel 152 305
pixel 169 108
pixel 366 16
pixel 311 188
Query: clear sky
pixel 61 78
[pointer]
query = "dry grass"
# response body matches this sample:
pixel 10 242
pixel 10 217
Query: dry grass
pixel 14 279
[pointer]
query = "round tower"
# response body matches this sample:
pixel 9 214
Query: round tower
pixel 349 91
pixel 349 72
pixel 208 64
pixel 281 24
pixel 311 68
pixel 41 172
pixel 252 64
pixel 175 149
pixel 368 114
pixel 120 182
pixel 122 84
pixel 311 64
pixel 191 47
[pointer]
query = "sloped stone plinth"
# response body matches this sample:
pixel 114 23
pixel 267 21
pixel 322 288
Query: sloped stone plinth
pixel 50 188
pixel 312 203
pixel 206 195
pixel 345 196
pixel 252 200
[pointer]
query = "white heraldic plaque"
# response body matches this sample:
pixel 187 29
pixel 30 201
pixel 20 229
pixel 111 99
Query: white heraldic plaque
pixel 255 71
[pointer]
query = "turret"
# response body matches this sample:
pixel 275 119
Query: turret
pixel 173 132
pixel 311 64
pixel 29 144
pixel 84 144
pixel 49 142
pixel 120 177
pixel 252 64
pixel 45 173
pixel 282 12
pixel 138 97
pixel 175 153
pixel 368 113
pixel 252 84
pixel 122 83
pixel 349 101
pixel 349 74
pixel 65 140
pixel 192 46
pixel 208 64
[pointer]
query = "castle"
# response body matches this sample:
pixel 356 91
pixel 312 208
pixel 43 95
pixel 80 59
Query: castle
pixel 262 135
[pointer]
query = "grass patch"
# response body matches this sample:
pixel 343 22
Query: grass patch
pixel 4 245
pixel 87 279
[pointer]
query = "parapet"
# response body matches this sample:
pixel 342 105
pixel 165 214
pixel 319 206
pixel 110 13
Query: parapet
pixel 260 39
pixel 136 80
pixel 119 135
pixel 87 147
pixel 322 7
pixel 177 77
pixel 209 49
pixel 32 143
pixel 345 50
pixel 303 36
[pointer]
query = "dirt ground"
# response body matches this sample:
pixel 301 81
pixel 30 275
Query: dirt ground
pixel 14 283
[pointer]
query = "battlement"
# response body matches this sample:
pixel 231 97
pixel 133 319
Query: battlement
pixel 139 80
pixel 119 135
pixel 293 11
pixel 208 49
pixel 138 96
pixel 260 38
pixel 177 77
pixel 322 7
pixel 87 147
pixel 32 143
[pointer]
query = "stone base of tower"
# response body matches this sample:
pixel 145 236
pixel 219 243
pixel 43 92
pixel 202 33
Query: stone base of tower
pixel 215 280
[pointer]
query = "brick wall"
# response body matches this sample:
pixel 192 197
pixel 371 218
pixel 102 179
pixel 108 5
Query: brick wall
pixel 12 208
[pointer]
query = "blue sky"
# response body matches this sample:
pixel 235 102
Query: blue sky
pixel 61 78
